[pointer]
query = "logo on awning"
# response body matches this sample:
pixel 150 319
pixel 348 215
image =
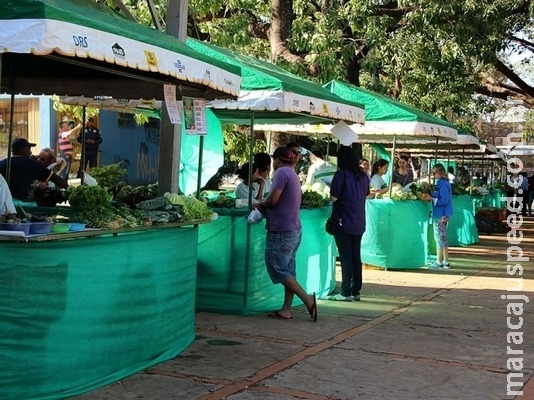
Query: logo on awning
pixel 118 51
pixel 179 66
pixel 151 58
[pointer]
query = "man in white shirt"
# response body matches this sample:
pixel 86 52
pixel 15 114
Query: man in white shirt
pixel 7 210
pixel 320 170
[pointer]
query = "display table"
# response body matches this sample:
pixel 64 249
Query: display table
pixel 396 233
pixel 489 200
pixel 462 230
pixel 232 277
pixel 79 312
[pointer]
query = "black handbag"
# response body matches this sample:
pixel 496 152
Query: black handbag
pixel 332 226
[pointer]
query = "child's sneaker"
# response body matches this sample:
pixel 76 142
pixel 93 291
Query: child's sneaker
pixel 446 265
pixel 436 266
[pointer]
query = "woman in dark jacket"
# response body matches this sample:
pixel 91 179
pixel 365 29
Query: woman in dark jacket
pixel 348 191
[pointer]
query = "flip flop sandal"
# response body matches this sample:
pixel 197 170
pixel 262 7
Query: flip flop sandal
pixel 277 315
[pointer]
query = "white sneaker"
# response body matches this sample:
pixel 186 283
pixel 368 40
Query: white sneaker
pixel 339 297
pixel 436 266
pixel 446 265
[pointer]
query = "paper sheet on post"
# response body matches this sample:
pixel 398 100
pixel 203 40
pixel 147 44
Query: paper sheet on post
pixel 344 133
pixel 170 102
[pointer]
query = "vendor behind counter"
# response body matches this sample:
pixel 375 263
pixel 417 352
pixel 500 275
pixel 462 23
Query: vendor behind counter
pixel 24 170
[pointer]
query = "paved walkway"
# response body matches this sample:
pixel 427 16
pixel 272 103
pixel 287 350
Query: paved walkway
pixel 415 335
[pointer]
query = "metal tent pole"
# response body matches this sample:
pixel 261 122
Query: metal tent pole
pixel 247 244
pixel 83 160
pixel 392 164
pixel 10 137
pixel 199 171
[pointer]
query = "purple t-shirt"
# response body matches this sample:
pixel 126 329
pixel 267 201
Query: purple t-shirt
pixel 284 216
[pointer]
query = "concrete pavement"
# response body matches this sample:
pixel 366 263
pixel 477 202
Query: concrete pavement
pixel 414 335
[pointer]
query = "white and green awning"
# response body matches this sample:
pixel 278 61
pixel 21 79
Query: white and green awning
pixel 82 30
pixel 386 118
pixel 272 94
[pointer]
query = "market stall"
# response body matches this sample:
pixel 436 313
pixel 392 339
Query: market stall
pixel 81 310
pixel 396 234
pixel 389 122
pixel 474 196
pixel 232 277
pixel 242 286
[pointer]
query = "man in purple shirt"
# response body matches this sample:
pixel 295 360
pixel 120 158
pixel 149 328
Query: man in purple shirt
pixel 284 233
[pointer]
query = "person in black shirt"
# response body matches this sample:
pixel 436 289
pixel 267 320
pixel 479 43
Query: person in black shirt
pixel 25 170
pixel 92 143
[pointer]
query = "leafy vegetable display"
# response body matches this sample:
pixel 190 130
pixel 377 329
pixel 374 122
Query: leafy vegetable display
pixel 312 200
pixel 88 197
pixel 132 195
pixel 314 195
pixel 192 207
pixel 107 176
pixel 398 194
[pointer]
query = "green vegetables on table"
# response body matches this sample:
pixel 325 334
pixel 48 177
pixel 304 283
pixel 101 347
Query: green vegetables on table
pixel 88 197
pixel 312 200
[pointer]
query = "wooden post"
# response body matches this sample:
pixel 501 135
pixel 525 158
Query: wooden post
pixel 171 134
pixel 169 154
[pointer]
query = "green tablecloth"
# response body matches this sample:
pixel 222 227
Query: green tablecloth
pixel 490 200
pixel 396 233
pixel 462 230
pixel 81 313
pixel 232 277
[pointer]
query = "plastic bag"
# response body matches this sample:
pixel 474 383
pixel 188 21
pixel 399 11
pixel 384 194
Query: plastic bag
pixel 89 180
pixel 254 217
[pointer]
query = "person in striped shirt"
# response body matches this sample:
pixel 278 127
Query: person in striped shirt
pixel 66 149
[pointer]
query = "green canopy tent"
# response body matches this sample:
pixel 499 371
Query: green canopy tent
pixel 387 121
pixel 57 319
pixel 270 93
pixel 79 47
pixel 267 93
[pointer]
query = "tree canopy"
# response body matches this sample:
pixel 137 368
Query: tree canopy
pixel 453 58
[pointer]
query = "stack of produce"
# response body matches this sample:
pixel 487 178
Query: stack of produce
pixel 399 194
pixel 315 195
pixel 92 206
pixel 192 208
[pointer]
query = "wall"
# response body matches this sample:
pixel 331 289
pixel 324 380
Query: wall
pixel 137 147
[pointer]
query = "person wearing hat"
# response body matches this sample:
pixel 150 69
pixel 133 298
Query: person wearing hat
pixel 25 170
pixel 284 233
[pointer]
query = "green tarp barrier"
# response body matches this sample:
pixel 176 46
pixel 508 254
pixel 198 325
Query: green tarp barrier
pixel 212 155
pixel 396 233
pixel 490 200
pixel 232 277
pixel 81 313
pixel 462 230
